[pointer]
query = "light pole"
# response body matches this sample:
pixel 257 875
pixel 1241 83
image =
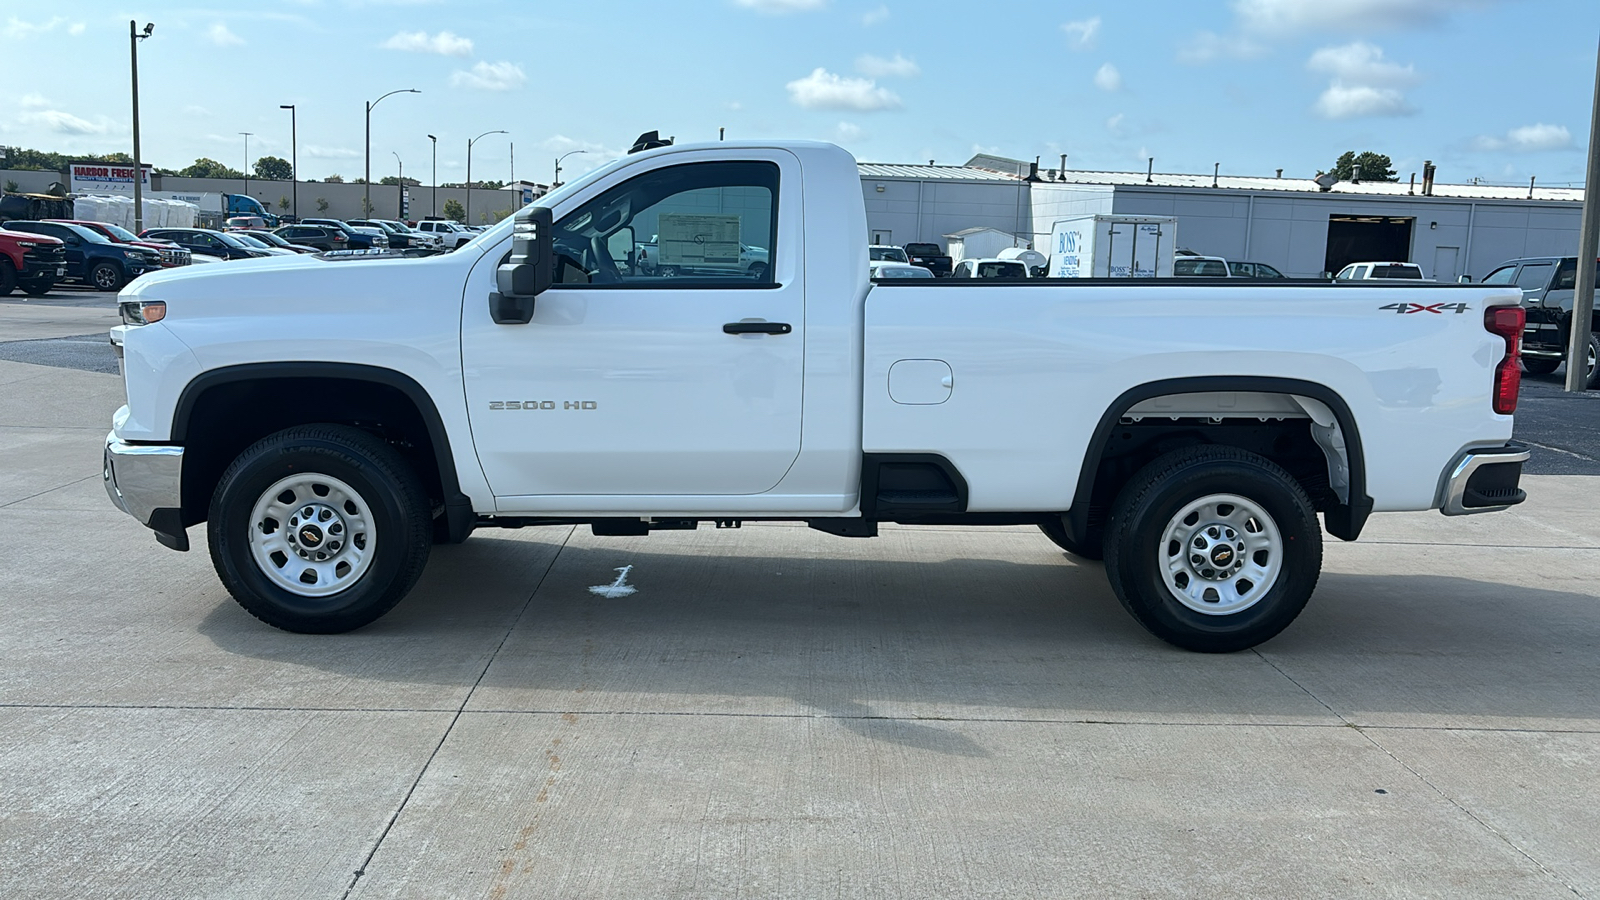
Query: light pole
pixel 557 182
pixel 246 164
pixel 134 37
pixel 367 194
pixel 294 158
pixel 434 203
pixel 469 169
pixel 400 198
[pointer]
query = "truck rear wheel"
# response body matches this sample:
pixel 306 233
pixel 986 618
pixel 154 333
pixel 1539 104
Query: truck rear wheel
pixel 319 529
pixel 1213 549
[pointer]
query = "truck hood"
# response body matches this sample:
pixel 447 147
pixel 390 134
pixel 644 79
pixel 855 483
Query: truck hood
pixel 29 236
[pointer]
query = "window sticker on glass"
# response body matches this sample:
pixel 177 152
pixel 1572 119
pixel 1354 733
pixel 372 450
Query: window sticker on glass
pixel 699 240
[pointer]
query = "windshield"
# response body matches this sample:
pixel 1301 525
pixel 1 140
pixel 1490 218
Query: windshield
pixel 230 240
pixel 894 254
pixel 249 240
pixel 1001 270
pixel 901 272
pixel 1200 267
pixel 923 249
pixel 120 233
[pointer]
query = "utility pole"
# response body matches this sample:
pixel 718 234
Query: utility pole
pixel 366 196
pixel 434 203
pixel 558 166
pixel 294 158
pixel 400 198
pixel 134 37
pixel 1588 249
pixel 469 170
pixel 246 166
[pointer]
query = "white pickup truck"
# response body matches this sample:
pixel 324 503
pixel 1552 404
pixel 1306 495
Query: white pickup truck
pixel 330 419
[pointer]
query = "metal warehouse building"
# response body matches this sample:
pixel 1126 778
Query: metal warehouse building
pixel 1291 223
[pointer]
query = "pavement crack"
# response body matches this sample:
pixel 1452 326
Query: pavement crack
pixel 49 490
pixel 377 845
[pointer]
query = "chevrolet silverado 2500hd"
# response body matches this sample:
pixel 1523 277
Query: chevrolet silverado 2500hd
pixel 331 419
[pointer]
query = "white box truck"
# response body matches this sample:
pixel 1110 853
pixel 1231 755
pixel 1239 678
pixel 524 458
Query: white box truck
pixel 1103 246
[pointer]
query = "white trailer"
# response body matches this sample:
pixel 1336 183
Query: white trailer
pixel 1102 246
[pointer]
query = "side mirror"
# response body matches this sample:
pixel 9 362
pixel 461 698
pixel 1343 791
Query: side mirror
pixel 530 269
pixel 1465 279
pixel 621 247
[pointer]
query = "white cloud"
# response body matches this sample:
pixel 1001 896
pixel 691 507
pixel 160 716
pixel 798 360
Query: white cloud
pixel 780 7
pixel 220 35
pixel 76 28
pixel 875 16
pixel 1342 101
pixel 846 132
pixel 196 111
pixel 1528 138
pixel 824 90
pixel 1107 78
pixel 320 152
pixel 33 101
pixel 1362 16
pixel 1081 35
pixel 1207 46
pixel 1363 64
pixel 444 43
pixel 878 67
pixel 20 30
pixel 1114 125
pixel 485 76
pixel 66 123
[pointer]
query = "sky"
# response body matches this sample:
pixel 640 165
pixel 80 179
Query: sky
pixel 1498 90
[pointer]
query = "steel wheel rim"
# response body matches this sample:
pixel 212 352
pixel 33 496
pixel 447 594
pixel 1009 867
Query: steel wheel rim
pixel 312 535
pixel 1221 554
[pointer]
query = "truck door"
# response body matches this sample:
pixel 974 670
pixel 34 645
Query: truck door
pixel 681 379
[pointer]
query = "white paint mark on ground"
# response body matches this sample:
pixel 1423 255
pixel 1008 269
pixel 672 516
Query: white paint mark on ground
pixel 618 588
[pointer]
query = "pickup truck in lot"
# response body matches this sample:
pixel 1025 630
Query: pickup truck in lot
pixel 330 419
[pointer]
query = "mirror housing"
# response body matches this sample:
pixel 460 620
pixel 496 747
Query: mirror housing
pixel 1464 279
pixel 529 272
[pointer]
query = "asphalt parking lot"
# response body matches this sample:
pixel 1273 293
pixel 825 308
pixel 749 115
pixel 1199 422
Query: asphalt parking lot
pixel 777 712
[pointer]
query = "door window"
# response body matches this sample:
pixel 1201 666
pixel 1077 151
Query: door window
pixel 695 225
pixel 1502 275
pixel 1534 275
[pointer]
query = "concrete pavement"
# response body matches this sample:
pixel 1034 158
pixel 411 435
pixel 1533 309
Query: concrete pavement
pixel 776 712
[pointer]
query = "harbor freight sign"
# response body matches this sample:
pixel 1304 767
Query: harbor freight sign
pixel 105 178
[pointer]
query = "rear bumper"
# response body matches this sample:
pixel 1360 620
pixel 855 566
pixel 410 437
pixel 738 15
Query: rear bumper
pixel 1484 480
pixel 146 482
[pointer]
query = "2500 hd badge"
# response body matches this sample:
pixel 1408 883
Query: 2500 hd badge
pixel 543 404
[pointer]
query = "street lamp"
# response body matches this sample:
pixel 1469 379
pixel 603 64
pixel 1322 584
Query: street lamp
pixel 469 169
pixel 134 37
pixel 367 194
pixel 400 198
pixel 246 162
pixel 557 182
pixel 294 158
pixel 434 203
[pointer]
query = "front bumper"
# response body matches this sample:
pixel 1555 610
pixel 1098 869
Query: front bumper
pixel 1485 480
pixel 146 482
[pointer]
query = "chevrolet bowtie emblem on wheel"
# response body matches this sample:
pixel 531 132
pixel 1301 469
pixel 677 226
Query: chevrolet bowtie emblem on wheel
pixel 310 537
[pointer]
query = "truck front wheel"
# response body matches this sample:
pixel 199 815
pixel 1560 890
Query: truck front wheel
pixel 8 277
pixel 106 277
pixel 319 529
pixel 1213 548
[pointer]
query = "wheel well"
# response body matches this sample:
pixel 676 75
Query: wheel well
pixel 225 418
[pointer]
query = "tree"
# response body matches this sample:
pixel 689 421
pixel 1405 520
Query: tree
pixel 454 210
pixel 11 186
pixel 40 161
pixel 1374 166
pixel 274 168
pixel 209 168
pixel 366 208
pixel 283 203
pixel 335 178
pixel 392 180
pixel 322 204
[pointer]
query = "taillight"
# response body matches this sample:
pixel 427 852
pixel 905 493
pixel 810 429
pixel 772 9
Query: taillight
pixel 1508 322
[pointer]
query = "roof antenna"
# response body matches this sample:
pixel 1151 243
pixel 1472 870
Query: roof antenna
pixel 650 140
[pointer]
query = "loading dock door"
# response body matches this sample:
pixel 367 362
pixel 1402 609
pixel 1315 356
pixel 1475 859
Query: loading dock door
pixel 1367 239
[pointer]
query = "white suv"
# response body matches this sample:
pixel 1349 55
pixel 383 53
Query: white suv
pixel 450 233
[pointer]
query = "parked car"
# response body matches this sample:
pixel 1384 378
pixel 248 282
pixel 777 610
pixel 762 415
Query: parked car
pixel 450 233
pixel 930 257
pixel 889 269
pixel 1199 267
pixel 355 238
pixel 886 253
pixel 320 237
pixel 1253 270
pixel 239 223
pixel 418 239
pixel 33 262
pixel 172 255
pixel 272 240
pixel 1548 284
pixel 204 241
pixel 94 259
pixel 990 268
pixel 1380 271
pixel 398 239
pixel 256 243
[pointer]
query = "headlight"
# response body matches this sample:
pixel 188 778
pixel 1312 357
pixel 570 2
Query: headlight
pixel 27 244
pixel 142 312
pixel 133 254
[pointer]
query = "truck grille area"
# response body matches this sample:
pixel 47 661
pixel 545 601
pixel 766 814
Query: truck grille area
pixel 45 257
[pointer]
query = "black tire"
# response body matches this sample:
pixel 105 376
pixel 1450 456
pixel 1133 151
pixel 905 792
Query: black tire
pixel 388 495
pixel 38 288
pixel 1139 546
pixel 8 278
pixel 1092 547
pixel 1537 366
pixel 1592 376
pixel 758 271
pixel 106 276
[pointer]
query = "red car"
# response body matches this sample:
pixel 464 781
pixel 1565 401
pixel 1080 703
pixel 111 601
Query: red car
pixel 172 255
pixel 33 262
